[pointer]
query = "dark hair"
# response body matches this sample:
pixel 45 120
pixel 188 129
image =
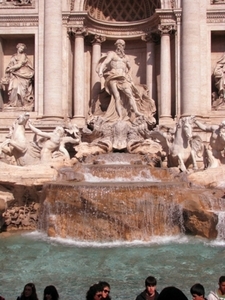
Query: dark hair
pixel 150 281
pixel 171 293
pixel 198 289
pixel 104 284
pixel 33 295
pixel 221 279
pixel 51 290
pixel 93 290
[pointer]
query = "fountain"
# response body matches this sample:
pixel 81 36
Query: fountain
pixel 99 191
pixel 147 176
pixel 125 202
pixel 112 196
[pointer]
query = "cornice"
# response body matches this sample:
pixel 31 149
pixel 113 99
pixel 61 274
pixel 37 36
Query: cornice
pixel 216 15
pixel 18 20
pixel 167 16
pixel 112 29
pixel 71 19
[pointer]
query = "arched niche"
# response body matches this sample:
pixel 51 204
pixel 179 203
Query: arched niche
pixel 121 10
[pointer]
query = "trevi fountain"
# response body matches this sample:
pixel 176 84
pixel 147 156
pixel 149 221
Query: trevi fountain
pixel 112 142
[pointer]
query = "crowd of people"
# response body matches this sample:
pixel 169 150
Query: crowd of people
pixel 101 291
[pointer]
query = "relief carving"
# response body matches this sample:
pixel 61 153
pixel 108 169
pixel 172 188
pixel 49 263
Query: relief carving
pixel 218 2
pixel 16 2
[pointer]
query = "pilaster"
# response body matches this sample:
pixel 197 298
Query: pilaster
pixel 53 58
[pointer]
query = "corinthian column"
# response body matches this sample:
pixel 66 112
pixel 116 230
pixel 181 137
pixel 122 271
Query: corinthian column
pixel 52 58
pixel 165 74
pixel 79 79
pixel 190 58
pixel 96 55
pixel 150 58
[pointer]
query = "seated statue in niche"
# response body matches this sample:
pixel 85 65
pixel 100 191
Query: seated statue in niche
pixel 219 77
pixel 121 99
pixel 18 81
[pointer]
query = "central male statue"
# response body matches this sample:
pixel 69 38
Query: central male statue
pixel 115 67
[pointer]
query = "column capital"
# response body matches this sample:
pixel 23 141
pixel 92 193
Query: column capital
pixel 178 15
pixel 167 28
pixel 151 37
pixel 97 39
pixel 77 31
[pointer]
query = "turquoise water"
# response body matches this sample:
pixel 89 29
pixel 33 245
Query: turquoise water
pixel 73 266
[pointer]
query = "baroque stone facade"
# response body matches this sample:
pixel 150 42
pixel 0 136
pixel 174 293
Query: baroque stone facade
pixel 63 62
pixel 174 48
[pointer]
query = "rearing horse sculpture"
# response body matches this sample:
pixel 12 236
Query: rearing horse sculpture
pixel 16 143
pixel 50 146
pixel 181 146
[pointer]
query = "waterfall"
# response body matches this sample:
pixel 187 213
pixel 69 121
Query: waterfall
pixel 221 225
pixel 127 202
pixel 109 211
pixel 218 207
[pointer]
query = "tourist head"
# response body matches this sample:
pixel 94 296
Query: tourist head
pixel 51 293
pixel 94 292
pixel 197 291
pixel 29 292
pixel 150 285
pixel 105 289
pixel 171 293
pixel 222 285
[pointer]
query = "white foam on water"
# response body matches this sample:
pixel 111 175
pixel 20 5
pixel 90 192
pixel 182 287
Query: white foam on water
pixel 155 240
pixel 143 176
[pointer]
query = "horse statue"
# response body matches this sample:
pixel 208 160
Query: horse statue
pixel 180 145
pixel 17 145
pixel 51 145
